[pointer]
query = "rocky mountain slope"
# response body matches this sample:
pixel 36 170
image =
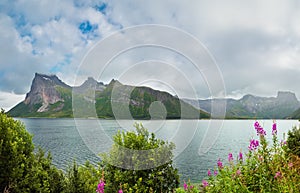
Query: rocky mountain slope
pixel 50 97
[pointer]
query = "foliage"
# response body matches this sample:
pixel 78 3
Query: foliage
pixel 162 178
pixel 262 169
pixel 293 141
pixel 81 178
pixel 22 170
pixel 42 176
pixel 15 151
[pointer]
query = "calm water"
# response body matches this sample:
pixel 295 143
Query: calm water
pixel 199 144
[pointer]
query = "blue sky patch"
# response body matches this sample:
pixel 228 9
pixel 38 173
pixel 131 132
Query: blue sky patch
pixel 101 8
pixel 86 27
pixel 58 67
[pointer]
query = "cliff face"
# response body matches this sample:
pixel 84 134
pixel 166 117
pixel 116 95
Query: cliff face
pixel 43 91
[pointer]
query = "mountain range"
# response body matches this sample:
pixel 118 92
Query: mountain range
pixel 284 105
pixel 51 97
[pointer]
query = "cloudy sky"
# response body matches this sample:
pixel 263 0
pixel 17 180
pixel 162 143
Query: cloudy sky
pixel 255 44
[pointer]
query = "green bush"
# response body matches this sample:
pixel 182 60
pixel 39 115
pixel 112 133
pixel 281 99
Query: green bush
pixel 15 152
pixel 293 141
pixel 82 179
pixel 22 170
pixel 142 177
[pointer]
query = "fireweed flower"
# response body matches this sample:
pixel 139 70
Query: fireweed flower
pixel 209 173
pixel 256 124
pixel 290 165
pixel 220 164
pixel 216 172
pixel 204 183
pixel 185 186
pixel 241 156
pixel 259 129
pixel 283 142
pixel 238 172
pixel 100 188
pixel 253 144
pixel 274 129
pixel 230 157
pixel 120 191
pixel 277 175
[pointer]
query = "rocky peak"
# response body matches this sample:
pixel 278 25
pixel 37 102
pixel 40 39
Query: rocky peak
pixel 48 80
pixel 90 84
pixel 43 91
pixel 113 82
pixel 287 96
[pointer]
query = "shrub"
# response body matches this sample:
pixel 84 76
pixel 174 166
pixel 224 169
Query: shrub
pixel 293 141
pixel 162 178
pixel 22 170
pixel 15 151
pixel 81 178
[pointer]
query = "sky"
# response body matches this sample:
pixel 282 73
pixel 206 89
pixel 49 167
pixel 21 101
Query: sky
pixel 255 45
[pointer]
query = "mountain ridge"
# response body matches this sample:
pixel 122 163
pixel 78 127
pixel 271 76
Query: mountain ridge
pixel 251 106
pixel 51 97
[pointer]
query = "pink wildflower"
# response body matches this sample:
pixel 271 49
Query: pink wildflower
pixel 204 183
pixel 277 175
pixel 241 156
pixel 259 129
pixel 100 188
pixel 230 157
pixel 185 186
pixel 216 172
pixel 220 164
pixel 208 172
pixel 274 128
pixel 253 144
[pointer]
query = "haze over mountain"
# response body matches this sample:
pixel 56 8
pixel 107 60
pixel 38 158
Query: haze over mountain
pixel 50 97
pixel 249 106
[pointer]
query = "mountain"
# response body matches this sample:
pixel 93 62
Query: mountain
pixel 50 97
pixel 250 106
pixel 295 114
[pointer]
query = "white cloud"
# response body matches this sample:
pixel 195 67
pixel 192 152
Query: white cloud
pixel 9 100
pixel 252 41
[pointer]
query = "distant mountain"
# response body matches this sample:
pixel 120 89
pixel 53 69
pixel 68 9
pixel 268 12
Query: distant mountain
pixel 250 106
pixel 295 114
pixel 50 97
